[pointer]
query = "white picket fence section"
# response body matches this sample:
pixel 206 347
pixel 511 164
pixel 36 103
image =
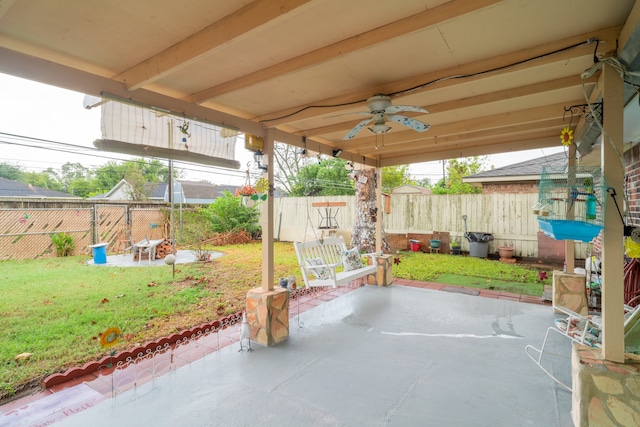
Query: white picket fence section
pixel 508 217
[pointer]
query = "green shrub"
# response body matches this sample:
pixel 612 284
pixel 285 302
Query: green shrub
pixel 228 213
pixel 64 244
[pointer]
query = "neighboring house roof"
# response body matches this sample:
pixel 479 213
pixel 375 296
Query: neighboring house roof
pixel 195 192
pixel 156 190
pixel 10 188
pixel 230 188
pixel 529 170
pixel 411 189
pixel 199 190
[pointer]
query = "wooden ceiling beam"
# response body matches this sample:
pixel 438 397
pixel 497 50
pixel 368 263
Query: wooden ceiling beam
pixel 508 132
pixel 542 140
pixel 419 21
pixel 428 144
pixel 187 51
pixel 496 121
pixel 303 112
pixel 474 101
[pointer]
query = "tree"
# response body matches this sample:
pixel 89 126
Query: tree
pixel 138 189
pixel 228 213
pixel 395 176
pixel 330 177
pixel 424 182
pixel 112 172
pixel 73 176
pixel 45 179
pixel 9 171
pixel 364 226
pixel 288 164
pixel 456 170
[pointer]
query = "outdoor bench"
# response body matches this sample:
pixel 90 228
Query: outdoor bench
pixel 330 263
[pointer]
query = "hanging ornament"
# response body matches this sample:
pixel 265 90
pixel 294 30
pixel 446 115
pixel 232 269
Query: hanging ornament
pixel 184 129
pixel 566 136
pixel 262 185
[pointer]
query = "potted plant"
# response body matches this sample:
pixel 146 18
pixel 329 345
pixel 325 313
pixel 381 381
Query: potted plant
pixel 64 244
pixel 506 251
pixel 246 192
pixel 455 248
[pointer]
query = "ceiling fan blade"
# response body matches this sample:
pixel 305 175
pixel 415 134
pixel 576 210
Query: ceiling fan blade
pixel 414 124
pixel 398 108
pixel 357 129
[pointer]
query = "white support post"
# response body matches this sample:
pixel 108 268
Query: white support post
pixel 379 207
pixel 612 235
pixel 569 245
pixel 268 216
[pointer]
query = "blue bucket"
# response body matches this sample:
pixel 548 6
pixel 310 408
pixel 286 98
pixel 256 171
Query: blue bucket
pixel 99 253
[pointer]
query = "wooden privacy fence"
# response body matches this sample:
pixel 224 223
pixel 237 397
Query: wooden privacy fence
pixel 25 233
pixel 508 217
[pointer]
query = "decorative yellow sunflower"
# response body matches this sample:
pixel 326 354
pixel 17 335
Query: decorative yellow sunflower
pixel 110 337
pixel 262 185
pixel 566 136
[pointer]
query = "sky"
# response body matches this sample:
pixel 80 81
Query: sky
pixel 57 116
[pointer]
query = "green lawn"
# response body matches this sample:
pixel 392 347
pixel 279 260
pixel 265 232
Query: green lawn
pixel 470 272
pixel 56 308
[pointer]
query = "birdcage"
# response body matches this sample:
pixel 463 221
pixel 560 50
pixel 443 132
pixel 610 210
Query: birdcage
pixel 571 202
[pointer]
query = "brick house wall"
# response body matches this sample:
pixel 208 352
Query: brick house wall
pixel 632 182
pixel 510 187
pixel 632 187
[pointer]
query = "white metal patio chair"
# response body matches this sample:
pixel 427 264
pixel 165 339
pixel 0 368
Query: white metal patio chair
pixel 586 330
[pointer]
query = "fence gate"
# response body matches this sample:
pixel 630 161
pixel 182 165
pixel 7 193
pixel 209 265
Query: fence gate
pixel 109 221
pixel 148 223
pixel 26 233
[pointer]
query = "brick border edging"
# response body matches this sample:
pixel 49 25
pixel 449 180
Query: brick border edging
pixel 485 293
pixel 109 362
pixel 106 364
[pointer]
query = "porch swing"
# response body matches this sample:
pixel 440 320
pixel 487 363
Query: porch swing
pixel 326 261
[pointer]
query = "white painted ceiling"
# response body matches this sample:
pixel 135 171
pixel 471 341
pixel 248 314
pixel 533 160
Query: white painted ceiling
pixel 485 69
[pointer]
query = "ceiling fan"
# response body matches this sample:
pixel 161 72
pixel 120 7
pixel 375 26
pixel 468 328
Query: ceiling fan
pixel 379 106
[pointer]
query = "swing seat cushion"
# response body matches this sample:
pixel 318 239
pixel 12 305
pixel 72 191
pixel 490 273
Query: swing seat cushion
pixel 351 259
pixel 319 270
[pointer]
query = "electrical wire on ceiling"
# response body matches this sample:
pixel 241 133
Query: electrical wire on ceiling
pixel 441 79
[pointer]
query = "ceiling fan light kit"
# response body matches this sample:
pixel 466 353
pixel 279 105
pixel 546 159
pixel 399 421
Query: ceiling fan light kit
pixel 379 106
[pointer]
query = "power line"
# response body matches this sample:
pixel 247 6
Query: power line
pixel 94 152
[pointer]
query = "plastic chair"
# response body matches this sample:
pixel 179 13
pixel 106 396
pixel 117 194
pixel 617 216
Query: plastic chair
pixel 586 330
pixel 125 242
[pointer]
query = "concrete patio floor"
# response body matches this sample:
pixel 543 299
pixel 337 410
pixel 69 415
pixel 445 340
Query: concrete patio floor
pixel 126 260
pixel 396 356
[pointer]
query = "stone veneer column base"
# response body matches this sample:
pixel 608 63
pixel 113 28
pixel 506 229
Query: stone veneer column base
pixel 384 275
pixel 570 291
pixel 268 315
pixel 604 393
